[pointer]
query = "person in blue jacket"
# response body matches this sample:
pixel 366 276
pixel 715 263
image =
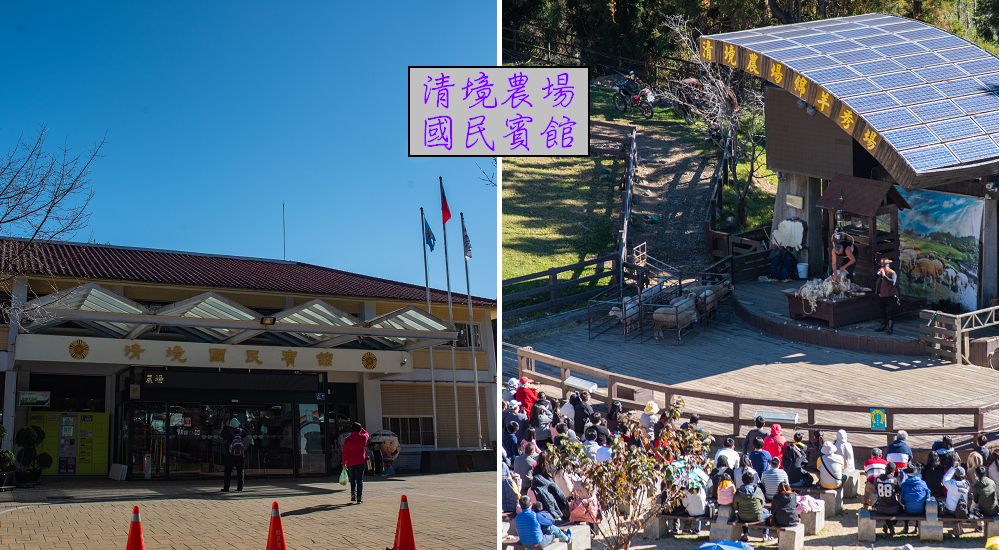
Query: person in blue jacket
pixel 912 494
pixel 536 527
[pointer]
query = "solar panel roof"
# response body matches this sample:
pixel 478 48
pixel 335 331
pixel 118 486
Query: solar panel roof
pixel 931 95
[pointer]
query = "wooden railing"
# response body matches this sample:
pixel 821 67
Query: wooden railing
pixel 948 336
pixel 555 285
pixel 626 388
pixel 618 257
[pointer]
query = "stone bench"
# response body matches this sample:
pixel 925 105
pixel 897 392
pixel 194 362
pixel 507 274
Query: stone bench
pixel 930 528
pixel 789 538
pixel 580 541
pixel 854 483
pixel 930 523
pixel 833 499
pixel 656 526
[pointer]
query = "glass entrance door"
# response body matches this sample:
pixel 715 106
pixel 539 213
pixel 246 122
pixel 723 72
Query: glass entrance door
pixel 269 450
pixel 188 443
pixel 149 433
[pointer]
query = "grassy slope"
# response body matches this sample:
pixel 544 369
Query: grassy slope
pixel 562 210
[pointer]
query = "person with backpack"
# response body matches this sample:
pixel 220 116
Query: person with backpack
pixel 956 502
pixel 795 463
pixel 782 264
pixel 236 438
pixel 353 458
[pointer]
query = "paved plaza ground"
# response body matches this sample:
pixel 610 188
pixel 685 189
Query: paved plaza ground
pixel 447 510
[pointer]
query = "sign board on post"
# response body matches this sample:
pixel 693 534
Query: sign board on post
pixel 34 398
pixel 878 419
pixel 133 391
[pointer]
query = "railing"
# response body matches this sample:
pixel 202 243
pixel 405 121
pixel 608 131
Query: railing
pixel 555 285
pixel 949 334
pixel 719 244
pixel 627 389
pixel 618 257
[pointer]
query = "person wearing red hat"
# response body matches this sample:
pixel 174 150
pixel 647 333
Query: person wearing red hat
pixel 526 394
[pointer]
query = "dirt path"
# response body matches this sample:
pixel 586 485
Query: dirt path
pixel 674 184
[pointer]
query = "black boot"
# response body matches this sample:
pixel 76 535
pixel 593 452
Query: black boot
pixel 890 328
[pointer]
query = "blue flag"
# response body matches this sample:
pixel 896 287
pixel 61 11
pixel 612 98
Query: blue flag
pixel 429 235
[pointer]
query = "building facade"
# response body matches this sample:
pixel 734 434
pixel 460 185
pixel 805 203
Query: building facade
pixel 133 360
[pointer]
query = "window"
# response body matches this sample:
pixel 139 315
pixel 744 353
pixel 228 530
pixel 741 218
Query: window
pixel 413 430
pixel 463 336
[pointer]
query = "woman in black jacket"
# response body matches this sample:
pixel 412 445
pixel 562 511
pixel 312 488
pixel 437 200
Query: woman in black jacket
pixel 932 474
pixel 783 505
pixel 546 491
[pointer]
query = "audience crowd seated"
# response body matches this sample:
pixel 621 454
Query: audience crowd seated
pixel 768 470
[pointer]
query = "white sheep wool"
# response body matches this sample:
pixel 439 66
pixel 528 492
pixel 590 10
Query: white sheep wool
pixel 831 288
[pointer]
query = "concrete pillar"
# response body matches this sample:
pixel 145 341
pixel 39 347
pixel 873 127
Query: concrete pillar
pixel 371 403
pixel 791 538
pixel 19 295
pixel 791 188
pixel 367 310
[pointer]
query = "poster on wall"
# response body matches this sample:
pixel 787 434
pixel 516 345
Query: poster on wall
pixel 939 249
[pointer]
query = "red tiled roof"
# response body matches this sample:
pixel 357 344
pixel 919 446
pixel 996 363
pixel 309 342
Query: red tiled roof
pixel 106 262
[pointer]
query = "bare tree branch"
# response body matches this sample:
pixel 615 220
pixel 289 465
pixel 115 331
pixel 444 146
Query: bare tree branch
pixel 490 179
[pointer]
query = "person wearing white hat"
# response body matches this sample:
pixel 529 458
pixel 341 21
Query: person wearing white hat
pixel 649 416
pixel 831 467
pixel 515 414
pixel 510 390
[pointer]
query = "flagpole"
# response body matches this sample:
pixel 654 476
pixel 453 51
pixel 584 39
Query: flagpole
pixel 451 317
pixel 472 341
pixel 430 350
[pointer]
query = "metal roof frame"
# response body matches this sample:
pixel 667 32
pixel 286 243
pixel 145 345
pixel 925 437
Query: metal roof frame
pixel 87 297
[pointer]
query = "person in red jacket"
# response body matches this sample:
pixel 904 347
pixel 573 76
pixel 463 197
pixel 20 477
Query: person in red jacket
pixel 775 443
pixel 353 458
pixel 526 394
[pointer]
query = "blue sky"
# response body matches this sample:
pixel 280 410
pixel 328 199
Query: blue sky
pixel 960 216
pixel 216 112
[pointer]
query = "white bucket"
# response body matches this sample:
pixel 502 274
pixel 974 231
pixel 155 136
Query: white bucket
pixel 803 271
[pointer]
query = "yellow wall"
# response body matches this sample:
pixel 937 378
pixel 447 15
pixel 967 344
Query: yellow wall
pixel 399 399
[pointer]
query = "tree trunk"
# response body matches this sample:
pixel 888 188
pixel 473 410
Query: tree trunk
pixel 821 8
pixel 776 12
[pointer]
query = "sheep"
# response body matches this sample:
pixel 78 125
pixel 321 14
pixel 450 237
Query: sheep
pixel 677 315
pixel 924 270
pixel 907 257
pixel 938 269
pixel 961 281
pixel 631 317
pixel 949 276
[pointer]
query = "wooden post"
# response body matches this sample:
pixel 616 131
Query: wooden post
pixel 811 417
pixel 554 293
pixel 959 337
pixel 736 419
pixel 564 374
pixel 890 430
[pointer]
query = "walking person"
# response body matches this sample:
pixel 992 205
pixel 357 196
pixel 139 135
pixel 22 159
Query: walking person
pixel 236 438
pixel 353 458
pixel 888 296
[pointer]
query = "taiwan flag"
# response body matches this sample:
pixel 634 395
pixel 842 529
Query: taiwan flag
pixel 445 211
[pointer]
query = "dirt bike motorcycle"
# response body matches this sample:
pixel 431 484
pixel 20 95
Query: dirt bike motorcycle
pixel 628 96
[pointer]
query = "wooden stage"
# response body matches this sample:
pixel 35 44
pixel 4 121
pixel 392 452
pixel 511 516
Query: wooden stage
pixel 762 305
pixel 731 356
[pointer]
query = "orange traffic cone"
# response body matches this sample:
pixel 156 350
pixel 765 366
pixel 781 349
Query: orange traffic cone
pixel 275 536
pixel 135 540
pixel 404 529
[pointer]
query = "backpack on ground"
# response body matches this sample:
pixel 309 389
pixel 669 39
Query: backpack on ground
pixel 236 445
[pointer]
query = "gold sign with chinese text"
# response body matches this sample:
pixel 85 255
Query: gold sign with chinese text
pixel 800 85
pixel 823 102
pixel 729 55
pixel 753 63
pixel 707 48
pixel 776 74
pixel 870 139
pixel 847 119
